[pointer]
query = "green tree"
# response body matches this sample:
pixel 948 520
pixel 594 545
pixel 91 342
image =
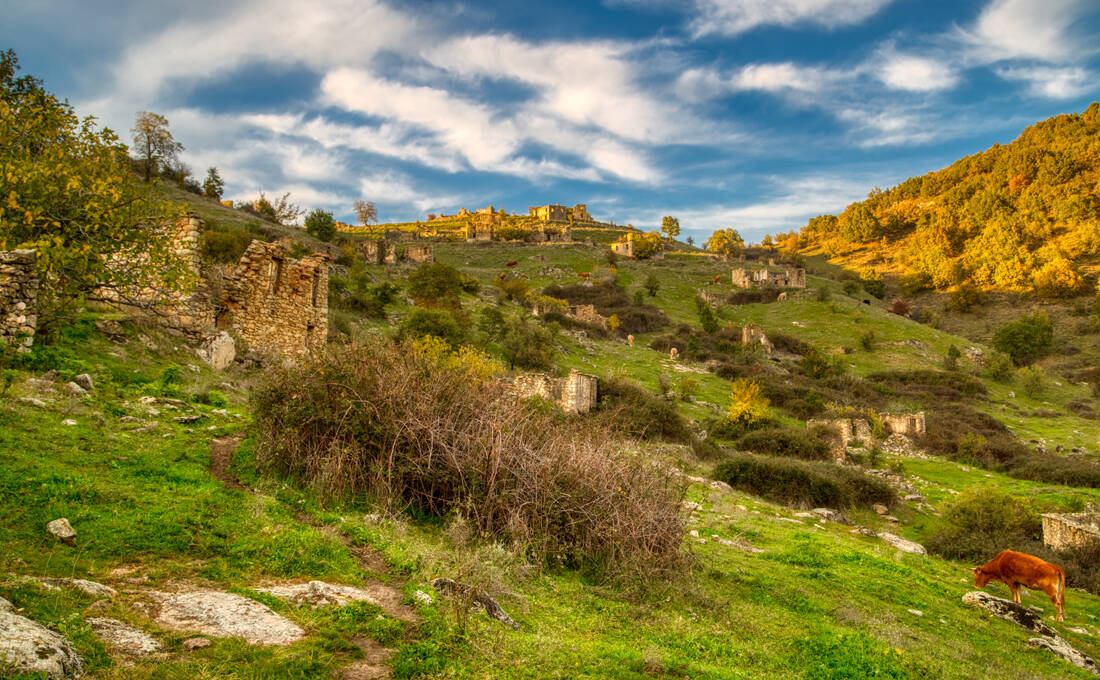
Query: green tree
pixel 435 284
pixel 652 284
pixel 528 345
pixel 213 186
pixel 670 226
pixel 280 211
pixel 153 143
pixel 68 192
pixel 437 323
pixel 725 242
pixel 320 224
pixel 1025 339
pixel 706 317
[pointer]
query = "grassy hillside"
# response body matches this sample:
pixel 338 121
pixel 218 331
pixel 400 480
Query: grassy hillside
pixel 1024 216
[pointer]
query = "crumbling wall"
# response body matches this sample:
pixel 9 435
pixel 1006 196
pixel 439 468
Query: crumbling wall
pixel 576 393
pixel 1062 531
pixel 277 305
pixel 549 213
pixel 753 335
pixel 741 278
pixel 18 295
pixel 904 423
pixel 790 277
pixel 372 251
pixel 624 248
pixel 588 314
pixel 580 213
pixel 859 429
pixel 419 252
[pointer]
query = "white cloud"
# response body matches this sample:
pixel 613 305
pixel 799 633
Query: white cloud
pixel 1028 29
pixel 1053 82
pixel 915 74
pixel 731 17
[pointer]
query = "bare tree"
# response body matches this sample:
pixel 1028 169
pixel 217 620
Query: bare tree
pixel 153 143
pixel 366 212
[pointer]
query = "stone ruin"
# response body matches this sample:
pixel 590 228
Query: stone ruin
pixel 859 429
pixel 384 252
pixel 624 247
pixel 712 299
pixel 754 335
pixel 588 314
pixel 18 295
pixel 276 304
pixel 574 394
pixel 790 277
pixel 1064 531
pixel 419 252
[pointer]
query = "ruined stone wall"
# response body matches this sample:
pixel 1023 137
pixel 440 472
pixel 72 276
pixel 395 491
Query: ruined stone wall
pixel 904 423
pixel 588 314
pixel 18 295
pixel 623 248
pixel 791 277
pixel 795 277
pixel 549 213
pixel 372 251
pixel 753 334
pixel 278 305
pixel 419 252
pixel 576 393
pixel 741 278
pixel 1062 531
pixel 580 213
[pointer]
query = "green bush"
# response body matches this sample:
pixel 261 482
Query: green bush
pixel 867 340
pixel 529 345
pixel 224 247
pixel 999 368
pixel 320 224
pixel 966 297
pixel 781 441
pixel 1026 339
pixel 980 524
pixel 628 408
pixel 436 284
pixel 436 322
pixel 1032 381
pixel 803 484
pixel 816 365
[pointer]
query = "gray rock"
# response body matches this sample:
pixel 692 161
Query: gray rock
pixel 1065 650
pixel 75 390
pixel 88 587
pixel 218 351
pixel 124 638
pixel 903 544
pixel 191 644
pixel 880 508
pixel 225 615
pixel 68 422
pixel 423 598
pixel 6 606
pixel 1022 616
pixel 85 382
pixel 28 647
pixel 830 515
pixel 319 594
pixel 62 530
pixel 31 401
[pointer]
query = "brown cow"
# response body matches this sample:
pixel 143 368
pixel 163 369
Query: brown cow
pixel 1017 569
pixel 513 263
pixel 717 278
pixel 584 275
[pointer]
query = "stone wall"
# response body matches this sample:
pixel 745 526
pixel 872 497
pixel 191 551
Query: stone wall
pixel 588 314
pixel 790 277
pixel 904 423
pixel 549 213
pixel 580 213
pixel 754 335
pixel 625 248
pixel 1062 531
pixel 859 429
pixel 372 251
pixel 419 252
pixel 18 295
pixel 277 305
pixel 574 394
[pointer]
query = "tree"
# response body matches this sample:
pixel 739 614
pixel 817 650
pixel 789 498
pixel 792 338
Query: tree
pixel 652 284
pixel 68 192
pixel 153 143
pixel 320 224
pixel 435 284
pixel 213 186
pixel 747 402
pixel 366 212
pixel 725 242
pixel 1025 339
pixel 282 211
pixel 691 240
pixel 529 345
pixel 670 226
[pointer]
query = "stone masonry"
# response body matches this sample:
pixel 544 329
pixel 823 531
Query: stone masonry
pixel 859 429
pixel 790 277
pixel 18 294
pixel 574 394
pixel 1062 531
pixel 419 252
pixel 276 304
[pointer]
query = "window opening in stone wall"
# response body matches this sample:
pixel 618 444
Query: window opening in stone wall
pixel 316 286
pixel 275 271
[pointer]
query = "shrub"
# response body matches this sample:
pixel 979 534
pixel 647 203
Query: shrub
pixel 387 421
pixel 781 441
pixel 747 404
pixel 999 368
pixel 803 484
pixel 512 289
pixel 320 224
pixel 529 345
pixel 867 340
pixel 944 384
pixel 816 365
pixel 899 307
pixel 706 318
pixel 980 524
pixel 966 297
pixel 609 298
pixel 1025 339
pixel 435 322
pixel 224 247
pixel 652 284
pixel 873 283
pixel 951 359
pixel 1032 381
pixel 435 284
pixel 628 408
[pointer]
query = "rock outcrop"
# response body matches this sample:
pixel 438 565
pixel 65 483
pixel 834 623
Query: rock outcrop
pixel 223 615
pixel 124 638
pixel 27 647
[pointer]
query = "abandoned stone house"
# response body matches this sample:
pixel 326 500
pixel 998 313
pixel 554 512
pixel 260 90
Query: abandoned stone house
pixel 18 297
pixel 549 213
pixel 384 252
pixel 1063 531
pixel 573 394
pixel 539 234
pixel 588 314
pixel 419 252
pixel 277 304
pixel 790 277
pixel 859 429
pixel 753 334
pixel 481 228
pixel 624 247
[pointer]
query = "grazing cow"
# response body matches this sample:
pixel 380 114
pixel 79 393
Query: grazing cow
pixel 673 353
pixel 782 297
pixel 583 275
pixel 1017 569
pixel 502 275
pixel 630 340
pixel 513 263
pixel 717 278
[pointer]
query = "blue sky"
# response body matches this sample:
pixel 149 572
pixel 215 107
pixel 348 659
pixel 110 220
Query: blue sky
pixel 751 114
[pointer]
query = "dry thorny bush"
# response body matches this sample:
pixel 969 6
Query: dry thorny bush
pixel 384 421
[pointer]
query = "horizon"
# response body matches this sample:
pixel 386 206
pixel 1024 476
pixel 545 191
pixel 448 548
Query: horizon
pixel 723 113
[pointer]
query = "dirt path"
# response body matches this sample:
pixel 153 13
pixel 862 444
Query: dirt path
pixel 221 457
pixel 373 665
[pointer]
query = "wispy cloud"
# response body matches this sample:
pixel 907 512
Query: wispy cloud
pixel 1053 82
pixel 731 17
pixel 1026 29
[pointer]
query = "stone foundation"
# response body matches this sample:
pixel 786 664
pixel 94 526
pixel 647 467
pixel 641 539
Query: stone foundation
pixel 574 394
pixel 588 314
pixel 275 304
pixel 1063 531
pixel 859 429
pixel 790 277
pixel 18 295
pixel 754 335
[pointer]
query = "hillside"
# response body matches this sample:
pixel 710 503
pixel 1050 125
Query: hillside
pixel 767 590
pixel 1024 216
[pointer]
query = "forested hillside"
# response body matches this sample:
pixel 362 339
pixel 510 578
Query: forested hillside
pixel 1023 216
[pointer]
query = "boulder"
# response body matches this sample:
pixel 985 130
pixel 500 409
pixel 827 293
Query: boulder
pixel 830 515
pixel 218 351
pixel 880 508
pixel 85 382
pixel 319 594
pixel 225 615
pixel 75 390
pixel 191 644
pixel 124 638
pixel 903 544
pixel 28 648
pixel 1063 649
pixel 88 587
pixel 62 530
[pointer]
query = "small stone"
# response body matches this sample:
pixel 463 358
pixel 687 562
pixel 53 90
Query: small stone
pixel 187 420
pixel 191 644
pixel 693 533
pixel 422 598
pixel 880 508
pixel 85 382
pixel 915 612
pixel 87 587
pixel 891 519
pixel 75 390
pixel 62 530
pixel 68 422
pixel 129 419
pixel 1080 631
pixel 31 401
pixel 903 544
pixel 124 638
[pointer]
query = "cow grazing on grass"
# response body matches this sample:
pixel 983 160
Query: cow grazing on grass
pixel 584 275
pixel 1017 569
pixel 513 263
pixel 717 278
